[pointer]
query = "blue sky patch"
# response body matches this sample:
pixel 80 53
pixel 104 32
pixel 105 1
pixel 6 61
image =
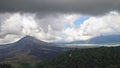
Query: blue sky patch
pixel 81 20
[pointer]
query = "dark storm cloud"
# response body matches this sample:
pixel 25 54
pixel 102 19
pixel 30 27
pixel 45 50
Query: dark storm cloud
pixel 60 6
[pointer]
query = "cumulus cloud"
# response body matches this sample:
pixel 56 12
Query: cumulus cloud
pixel 9 39
pixel 56 27
pixel 108 24
pixel 95 26
pixel 54 20
pixel 7 26
pixel 47 28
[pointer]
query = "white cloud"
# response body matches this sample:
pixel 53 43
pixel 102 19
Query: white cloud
pixel 94 26
pixel 52 28
pixel 10 39
pixel 108 24
pixel 12 25
pixel 47 29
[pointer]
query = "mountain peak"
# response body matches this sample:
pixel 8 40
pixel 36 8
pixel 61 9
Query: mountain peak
pixel 28 39
pixel 31 48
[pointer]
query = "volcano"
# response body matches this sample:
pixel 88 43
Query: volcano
pixel 29 49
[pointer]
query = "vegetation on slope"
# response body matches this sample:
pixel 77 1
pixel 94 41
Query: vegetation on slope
pixel 87 58
pixel 104 57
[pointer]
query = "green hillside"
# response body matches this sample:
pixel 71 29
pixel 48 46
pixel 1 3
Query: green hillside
pixel 104 57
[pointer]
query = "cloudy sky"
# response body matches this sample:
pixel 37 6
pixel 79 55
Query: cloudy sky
pixel 58 20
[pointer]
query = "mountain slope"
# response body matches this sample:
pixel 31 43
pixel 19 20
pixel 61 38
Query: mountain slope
pixel 98 40
pixel 28 49
pixel 103 57
pixel 105 39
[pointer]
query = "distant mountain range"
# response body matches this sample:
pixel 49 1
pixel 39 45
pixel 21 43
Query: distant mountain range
pixel 104 39
pixel 28 49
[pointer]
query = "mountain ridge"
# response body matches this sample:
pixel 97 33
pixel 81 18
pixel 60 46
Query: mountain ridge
pixel 104 39
pixel 29 49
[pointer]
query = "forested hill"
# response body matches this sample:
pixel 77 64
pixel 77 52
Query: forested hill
pixel 104 57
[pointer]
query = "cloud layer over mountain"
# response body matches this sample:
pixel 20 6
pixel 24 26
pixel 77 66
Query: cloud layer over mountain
pixel 55 27
pixel 58 20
